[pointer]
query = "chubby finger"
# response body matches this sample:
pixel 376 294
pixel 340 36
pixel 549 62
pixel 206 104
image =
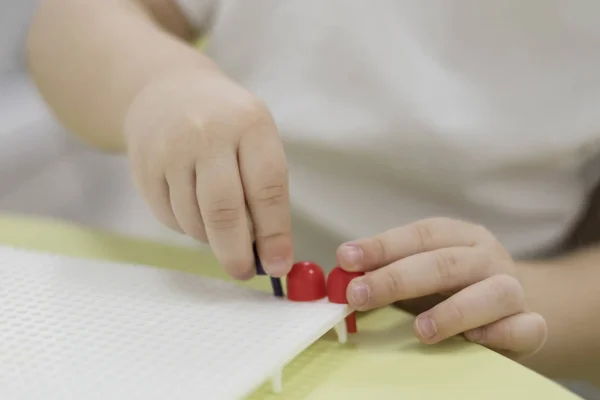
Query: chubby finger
pixel 521 334
pixel 150 181
pixel 420 275
pixel 480 304
pixel 263 168
pixel 425 235
pixel 182 190
pixel 156 191
pixel 223 209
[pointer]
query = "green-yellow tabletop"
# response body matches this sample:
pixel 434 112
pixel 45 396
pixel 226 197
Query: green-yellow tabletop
pixel 384 361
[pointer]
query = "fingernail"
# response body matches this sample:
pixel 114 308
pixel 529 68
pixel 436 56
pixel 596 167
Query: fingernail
pixel 474 335
pixel 278 266
pixel 359 293
pixel 426 327
pixel 352 255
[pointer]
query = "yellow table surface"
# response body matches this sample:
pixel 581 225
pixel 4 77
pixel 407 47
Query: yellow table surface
pixel 383 361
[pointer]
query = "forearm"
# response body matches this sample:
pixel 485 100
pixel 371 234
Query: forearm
pixel 90 59
pixel 566 292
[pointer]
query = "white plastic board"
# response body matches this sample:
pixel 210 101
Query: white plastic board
pixel 81 329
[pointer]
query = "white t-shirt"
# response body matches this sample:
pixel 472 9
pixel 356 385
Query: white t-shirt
pixel 15 17
pixel 392 111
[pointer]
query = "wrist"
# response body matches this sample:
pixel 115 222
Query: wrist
pixel 564 291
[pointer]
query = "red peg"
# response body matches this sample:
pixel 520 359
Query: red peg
pixel 306 282
pixel 337 284
pixel 351 323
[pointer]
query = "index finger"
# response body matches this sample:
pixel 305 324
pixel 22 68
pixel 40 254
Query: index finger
pixel 263 169
pixel 422 236
pixel 418 276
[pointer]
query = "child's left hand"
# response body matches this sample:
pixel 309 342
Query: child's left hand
pixel 443 256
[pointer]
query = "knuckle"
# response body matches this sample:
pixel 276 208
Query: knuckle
pixel 270 195
pixel 224 214
pixel 393 283
pixel 456 313
pixel 197 137
pixel 188 136
pixel 253 113
pixel 380 251
pixel 223 218
pixel 446 265
pixel 423 235
pixel 507 289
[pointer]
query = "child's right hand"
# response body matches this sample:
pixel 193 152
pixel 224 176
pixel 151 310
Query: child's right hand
pixel 207 157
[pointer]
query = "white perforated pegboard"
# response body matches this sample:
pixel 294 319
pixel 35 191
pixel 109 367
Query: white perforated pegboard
pixel 81 329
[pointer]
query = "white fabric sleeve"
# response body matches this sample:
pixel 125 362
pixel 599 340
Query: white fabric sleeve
pixel 197 12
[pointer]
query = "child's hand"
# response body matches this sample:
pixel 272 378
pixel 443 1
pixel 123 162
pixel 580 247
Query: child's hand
pixel 442 256
pixel 207 157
